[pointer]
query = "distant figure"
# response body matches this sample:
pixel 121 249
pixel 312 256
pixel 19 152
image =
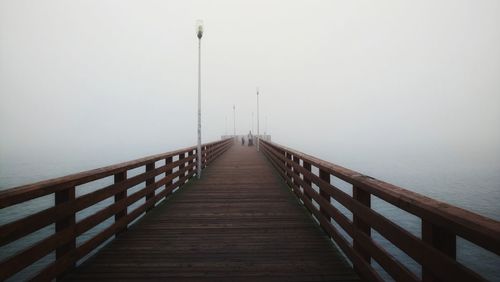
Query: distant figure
pixel 250 138
pixel 242 141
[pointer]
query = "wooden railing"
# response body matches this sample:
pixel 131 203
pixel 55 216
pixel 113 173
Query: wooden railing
pixel 435 251
pixel 179 166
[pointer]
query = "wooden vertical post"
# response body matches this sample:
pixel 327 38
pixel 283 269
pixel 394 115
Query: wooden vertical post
pixel 204 151
pixel 307 166
pixel 120 177
pixel 181 166
pixel 364 198
pixel 289 179
pixel 325 176
pixel 209 153
pixel 190 153
pixel 168 172
pixel 202 157
pixel 284 162
pixel 150 181
pixel 440 239
pixel 297 174
pixel 61 197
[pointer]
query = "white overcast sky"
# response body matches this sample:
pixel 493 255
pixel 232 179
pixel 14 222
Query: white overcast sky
pixel 93 77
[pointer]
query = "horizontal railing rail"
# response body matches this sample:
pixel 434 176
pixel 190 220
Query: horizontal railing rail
pixel 179 166
pixel 435 251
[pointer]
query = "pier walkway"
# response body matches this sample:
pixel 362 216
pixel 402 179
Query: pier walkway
pixel 253 216
pixel 239 222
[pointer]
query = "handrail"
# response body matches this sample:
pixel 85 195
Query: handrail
pixel 441 222
pixel 66 204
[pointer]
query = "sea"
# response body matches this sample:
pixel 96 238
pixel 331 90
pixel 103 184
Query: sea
pixel 469 181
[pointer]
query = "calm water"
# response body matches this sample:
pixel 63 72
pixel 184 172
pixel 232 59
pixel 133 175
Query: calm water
pixel 468 182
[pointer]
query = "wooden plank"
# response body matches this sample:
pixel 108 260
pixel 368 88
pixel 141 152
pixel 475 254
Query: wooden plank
pixel 62 264
pixel 149 167
pixel 191 153
pixel 168 161
pixel 307 181
pixel 12 265
pixel 364 198
pixel 237 223
pixel 24 193
pixel 440 239
pixel 442 265
pixel 24 226
pixel 182 165
pixel 120 177
pixel 68 222
pixel 325 176
pixel 478 229
pixel 296 160
pixel 398 271
pixel 63 242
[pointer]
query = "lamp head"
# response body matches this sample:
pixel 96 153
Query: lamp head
pixel 199 28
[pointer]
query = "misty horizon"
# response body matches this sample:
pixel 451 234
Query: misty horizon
pixel 405 92
pixel 364 84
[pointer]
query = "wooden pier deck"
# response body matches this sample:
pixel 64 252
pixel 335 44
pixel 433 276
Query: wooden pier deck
pixel 239 222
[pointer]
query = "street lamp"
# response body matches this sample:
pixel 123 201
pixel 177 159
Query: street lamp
pixel 258 136
pixel 199 34
pixel 234 121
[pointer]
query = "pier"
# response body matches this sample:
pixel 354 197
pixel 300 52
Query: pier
pixel 253 216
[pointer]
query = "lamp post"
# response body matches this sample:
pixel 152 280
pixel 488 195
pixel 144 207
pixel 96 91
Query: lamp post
pixel 234 121
pixel 199 34
pixel 258 137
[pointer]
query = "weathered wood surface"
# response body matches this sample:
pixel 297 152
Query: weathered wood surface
pixel 434 250
pixel 239 222
pixel 67 205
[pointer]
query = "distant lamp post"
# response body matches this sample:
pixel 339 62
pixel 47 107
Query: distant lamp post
pixel 234 121
pixel 258 134
pixel 199 34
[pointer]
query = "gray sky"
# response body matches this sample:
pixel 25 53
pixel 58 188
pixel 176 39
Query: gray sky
pixel 115 77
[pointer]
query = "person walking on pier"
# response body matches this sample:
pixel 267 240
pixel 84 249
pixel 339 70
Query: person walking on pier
pixel 242 141
pixel 250 138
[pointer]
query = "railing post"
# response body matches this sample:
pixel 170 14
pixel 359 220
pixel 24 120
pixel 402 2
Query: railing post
pixel 440 239
pixel 282 152
pixel 168 172
pixel 364 198
pixel 150 181
pixel 204 153
pixel 61 197
pixel 190 154
pixel 181 166
pixel 325 176
pixel 120 177
pixel 209 153
pixel 307 166
pixel 289 179
pixel 297 174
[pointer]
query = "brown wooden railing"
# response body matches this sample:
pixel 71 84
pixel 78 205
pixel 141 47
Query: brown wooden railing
pixel 179 167
pixel 435 251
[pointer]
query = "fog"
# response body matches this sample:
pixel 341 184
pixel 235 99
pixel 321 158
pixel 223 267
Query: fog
pixel 365 84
